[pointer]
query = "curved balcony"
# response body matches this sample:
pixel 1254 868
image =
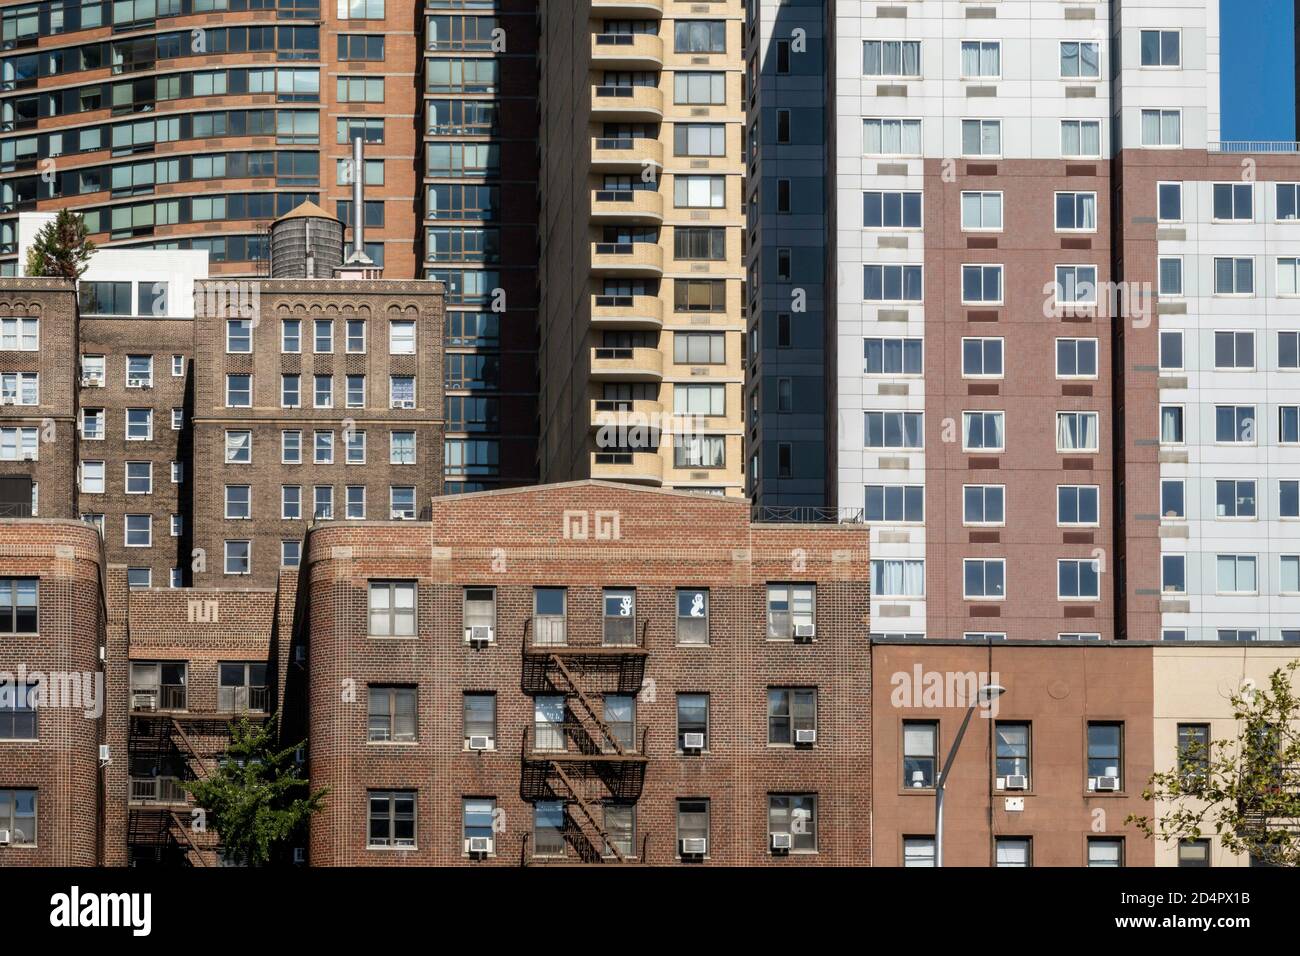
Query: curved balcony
pixel 627 365
pixel 627 205
pixel 627 51
pixel 627 311
pixel 627 104
pixel 628 413
pixel 640 9
pixel 625 154
pixel 638 467
pixel 627 259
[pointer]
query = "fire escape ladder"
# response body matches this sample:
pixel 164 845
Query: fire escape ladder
pixel 588 706
pixel 197 761
pixel 184 837
pixel 586 809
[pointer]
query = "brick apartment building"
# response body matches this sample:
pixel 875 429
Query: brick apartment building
pixel 587 672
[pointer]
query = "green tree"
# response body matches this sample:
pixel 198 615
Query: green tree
pixel 60 248
pixel 255 800
pixel 1245 791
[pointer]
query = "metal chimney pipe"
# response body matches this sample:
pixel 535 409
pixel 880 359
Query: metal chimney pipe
pixel 358 203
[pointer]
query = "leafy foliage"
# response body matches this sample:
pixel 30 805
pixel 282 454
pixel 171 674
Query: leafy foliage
pixel 1246 791
pixel 60 248
pixel 255 799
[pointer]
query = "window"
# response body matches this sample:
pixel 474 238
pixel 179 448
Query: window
pixel 1236 574
pixel 984 579
pixel 1171 425
pixel 1105 755
pixel 177 525
pixel 401 448
pixel 1076 285
pixel 1078 579
pixel 238 502
pixel 1169 202
pixel 1172 498
pixel 1080 60
pixel 238 557
pixel 18 816
pixel 1076 358
pixel 891 210
pixel 391 814
pixel 19 335
pixel 620 616
pixel 239 391
pixel 1012 851
pixel 1077 431
pixel 1234 498
pixel 139 371
pixel 920 753
pixel 291 391
pixel 354 447
pixel 1012 756
pixel 239 447
pixel 548 828
pixel 139 424
pixel 703 243
pixel 1160 47
pixel 893 430
pixel 891 356
pixel 291 502
pixel 983 431
pixel 1194 853
pixel 1076 212
pixel 1234 202
pixel 323 448
pixel 981 59
pixel 360 89
pixel 479 715
pixel 981 358
pixel 1171 351
pixel 392 716
pixel 895 503
pixel 981 137
pixel 788 712
pixel 699 192
pixel 700 36
pixel 1288 495
pixel 239 335
pixel 549 606
pixel 479 611
pixel 18 605
pixel 478 819
pixel 18 710
pixel 354 502
pixel 1288 421
pixel 981 211
pixel 898 578
pixel 20 388
pixel 984 504
pixel 891 137
pixel 692 718
pixel 92 424
pixel 1173 573
pixel 796 815
pixel 1170 275
pixel 692 616
pixel 92 477
pixel 291 447
pixel 401 338
pixel 887 283
pixel 1193 751
pixel 1234 424
pixel 1081 138
pixel 139 478
pixel 699 89
pixel 548 723
pixel 891 57
pixel 1288 202
pixel 703 139
pixel 918 851
pixel 981 284
pixel 139 577
pixel 699 295
pixel 323 391
pixel 1078 505
pixel 692 822
pixel 1162 128
pixel 291 336
pixel 1105 851
pixel 392 608
pixel 699 399
pixel 789 607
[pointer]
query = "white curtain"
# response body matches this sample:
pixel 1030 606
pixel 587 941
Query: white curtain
pixel 899 578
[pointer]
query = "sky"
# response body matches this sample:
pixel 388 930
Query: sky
pixel 1258 69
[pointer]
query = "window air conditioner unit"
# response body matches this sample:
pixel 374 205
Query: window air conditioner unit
pixel 695 846
pixel 299 855
pixel 137 383
pixel 144 700
pixel 482 845
pixel 8 400
pixel 805 736
pixel 92 381
pixel 479 634
pixel 805 632
pixel 404 403
pixel 692 741
pixel 105 755
pixel 5 838
pixel 29 456
pixel 1103 783
pixel 781 842
pixel 1016 781
pixel 480 742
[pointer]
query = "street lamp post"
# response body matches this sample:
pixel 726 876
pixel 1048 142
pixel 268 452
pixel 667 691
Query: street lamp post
pixel 986 693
